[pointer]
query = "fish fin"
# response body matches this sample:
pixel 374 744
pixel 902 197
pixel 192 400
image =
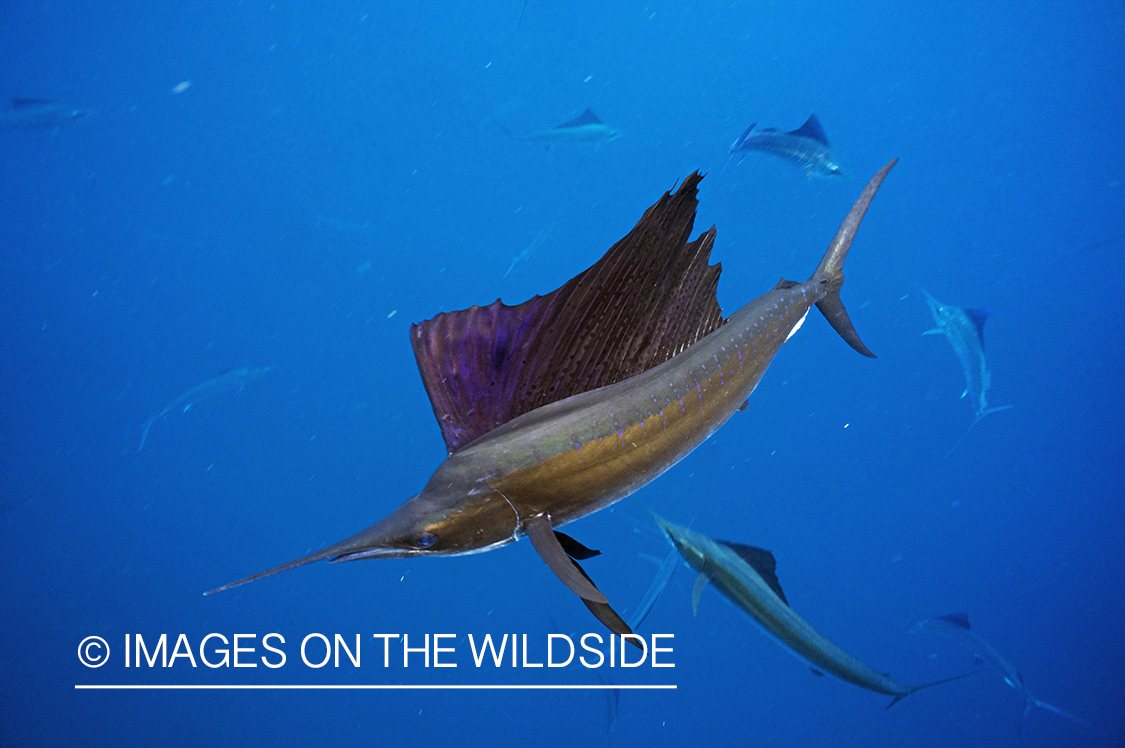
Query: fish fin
pixel 979 317
pixel 830 272
pixel 783 284
pixel 1030 703
pixel 568 565
pixel 505 130
pixel 18 103
pixel 586 118
pixel 607 615
pixel 551 551
pixel 935 331
pixel 812 129
pixel 762 562
pixel 659 582
pixel 573 548
pixel 817 673
pixel 650 297
pixel 745 405
pixel 960 620
pixel 979 417
pixel 697 591
pixel 915 689
pixel 144 433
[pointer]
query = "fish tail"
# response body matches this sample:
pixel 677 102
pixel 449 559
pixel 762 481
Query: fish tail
pixel 144 433
pixel 504 129
pixel 830 272
pixel 1030 703
pixel 915 689
pixel 980 416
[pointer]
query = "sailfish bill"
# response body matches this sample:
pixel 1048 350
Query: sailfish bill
pixel 558 407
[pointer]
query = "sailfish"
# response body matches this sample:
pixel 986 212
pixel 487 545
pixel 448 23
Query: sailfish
pixel 39 114
pixel 747 576
pixel 586 127
pixel 567 403
pixel 964 329
pixel 956 626
pixel 807 147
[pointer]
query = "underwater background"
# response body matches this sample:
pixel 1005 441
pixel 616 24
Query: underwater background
pixel 292 184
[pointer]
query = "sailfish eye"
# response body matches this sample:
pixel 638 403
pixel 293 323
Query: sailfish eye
pixel 425 540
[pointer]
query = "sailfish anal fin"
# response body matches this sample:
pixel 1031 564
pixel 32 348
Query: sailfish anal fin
pixel 651 296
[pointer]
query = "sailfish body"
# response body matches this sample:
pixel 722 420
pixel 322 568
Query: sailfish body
pixel 747 576
pixel 583 128
pixel 807 147
pixel 956 626
pixel 562 405
pixel 964 329
pixel 37 114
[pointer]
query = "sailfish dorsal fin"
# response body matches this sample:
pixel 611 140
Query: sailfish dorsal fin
pixel 812 129
pixel 762 561
pixel 648 298
pixel 979 317
pixel 586 118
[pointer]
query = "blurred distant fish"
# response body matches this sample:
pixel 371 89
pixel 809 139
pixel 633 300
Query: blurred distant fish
pixel 964 329
pixel 586 127
pixel 747 576
pixel 807 146
pixel 544 235
pixel 956 626
pixel 38 114
pixel 235 378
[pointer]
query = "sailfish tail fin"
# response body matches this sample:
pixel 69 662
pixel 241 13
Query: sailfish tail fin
pixel 1030 703
pixel 830 272
pixel 915 689
pixel 145 430
pixel 980 416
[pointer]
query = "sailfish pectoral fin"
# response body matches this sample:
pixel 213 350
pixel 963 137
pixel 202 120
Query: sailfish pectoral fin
pixel 547 544
pixel 607 615
pixel 549 548
pixel 697 591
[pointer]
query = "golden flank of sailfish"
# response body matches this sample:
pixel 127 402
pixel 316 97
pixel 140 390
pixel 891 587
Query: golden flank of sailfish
pixel 747 576
pixel 569 402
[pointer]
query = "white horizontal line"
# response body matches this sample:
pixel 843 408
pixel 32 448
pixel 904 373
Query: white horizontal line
pixel 378 687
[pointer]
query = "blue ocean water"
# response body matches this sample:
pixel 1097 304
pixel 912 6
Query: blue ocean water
pixel 291 185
